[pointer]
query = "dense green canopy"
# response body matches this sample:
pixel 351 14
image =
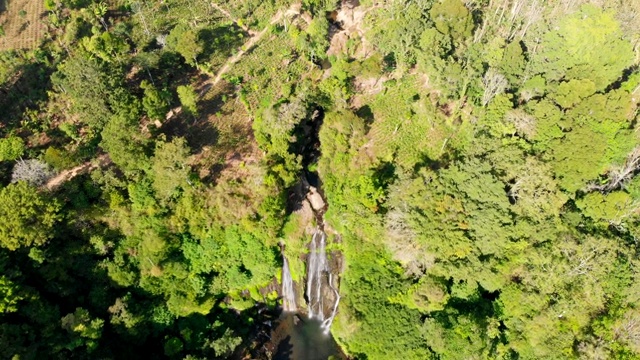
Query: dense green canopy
pixel 478 161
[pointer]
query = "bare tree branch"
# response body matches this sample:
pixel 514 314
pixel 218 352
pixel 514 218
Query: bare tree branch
pixel 494 84
pixel 618 177
pixel 33 171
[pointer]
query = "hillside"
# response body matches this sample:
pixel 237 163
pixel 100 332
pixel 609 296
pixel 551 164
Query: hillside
pixel 319 179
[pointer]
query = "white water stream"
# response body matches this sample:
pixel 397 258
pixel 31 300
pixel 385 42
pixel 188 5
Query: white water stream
pixel 318 276
pixel 288 293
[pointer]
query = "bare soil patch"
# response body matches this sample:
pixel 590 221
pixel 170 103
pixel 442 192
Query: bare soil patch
pixel 23 24
pixel 349 20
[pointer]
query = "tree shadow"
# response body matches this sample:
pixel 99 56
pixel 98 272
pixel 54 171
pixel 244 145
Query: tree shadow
pixel 198 132
pixel 27 90
pixel 366 114
pixel 219 43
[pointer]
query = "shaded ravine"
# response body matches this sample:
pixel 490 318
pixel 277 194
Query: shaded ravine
pixel 300 337
pixel 304 332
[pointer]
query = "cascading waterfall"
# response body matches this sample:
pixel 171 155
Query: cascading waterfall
pixel 316 266
pixel 326 324
pixel 319 275
pixel 288 294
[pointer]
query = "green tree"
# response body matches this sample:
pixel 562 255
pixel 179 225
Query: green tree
pixel 11 148
pixel 169 167
pixel 126 146
pixel 587 45
pixel 188 99
pixel 452 18
pixel 27 218
pixel 84 330
pixel 185 41
pixel 570 93
pixel 10 295
pixel 155 102
pixel 107 46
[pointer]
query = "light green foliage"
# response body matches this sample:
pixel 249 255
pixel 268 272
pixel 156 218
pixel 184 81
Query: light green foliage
pixel 10 295
pixel 169 167
pixel 459 144
pixel 549 123
pixel 536 192
pixel 369 283
pixel 578 158
pixel 27 218
pixel 614 106
pixel 225 345
pixel 513 62
pixel 534 87
pixel 188 99
pixel 613 206
pixel 407 127
pixel 83 329
pixel 571 92
pixel 11 148
pixel 106 46
pixel 88 87
pixel 595 136
pixel 126 146
pixel 584 46
pixel 58 159
pixel 397 27
pixel 318 33
pixel 71 130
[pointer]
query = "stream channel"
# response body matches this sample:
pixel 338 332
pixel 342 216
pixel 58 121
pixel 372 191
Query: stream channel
pixel 310 305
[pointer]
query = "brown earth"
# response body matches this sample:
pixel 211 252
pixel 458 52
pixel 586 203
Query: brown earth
pixel 64 176
pixel 23 22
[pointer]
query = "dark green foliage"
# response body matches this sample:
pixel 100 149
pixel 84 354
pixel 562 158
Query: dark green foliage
pixel 185 41
pixel 155 102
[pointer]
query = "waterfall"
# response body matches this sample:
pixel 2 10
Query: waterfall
pixel 288 294
pixel 326 324
pixel 319 276
pixel 316 266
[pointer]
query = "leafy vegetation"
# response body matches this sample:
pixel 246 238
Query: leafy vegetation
pixel 478 160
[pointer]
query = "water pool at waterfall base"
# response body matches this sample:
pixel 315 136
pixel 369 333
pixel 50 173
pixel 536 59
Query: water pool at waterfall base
pixel 296 337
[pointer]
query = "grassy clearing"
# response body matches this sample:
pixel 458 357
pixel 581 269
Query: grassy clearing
pixel 270 71
pixel 256 13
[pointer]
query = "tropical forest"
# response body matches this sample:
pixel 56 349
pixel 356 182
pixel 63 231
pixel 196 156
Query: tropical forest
pixel 320 179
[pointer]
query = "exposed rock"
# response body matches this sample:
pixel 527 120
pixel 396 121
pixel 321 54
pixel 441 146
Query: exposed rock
pixel 315 199
pixel 306 213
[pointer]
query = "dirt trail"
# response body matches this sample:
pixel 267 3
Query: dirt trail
pixel 228 15
pixel 255 37
pixel 56 181
pixel 293 10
